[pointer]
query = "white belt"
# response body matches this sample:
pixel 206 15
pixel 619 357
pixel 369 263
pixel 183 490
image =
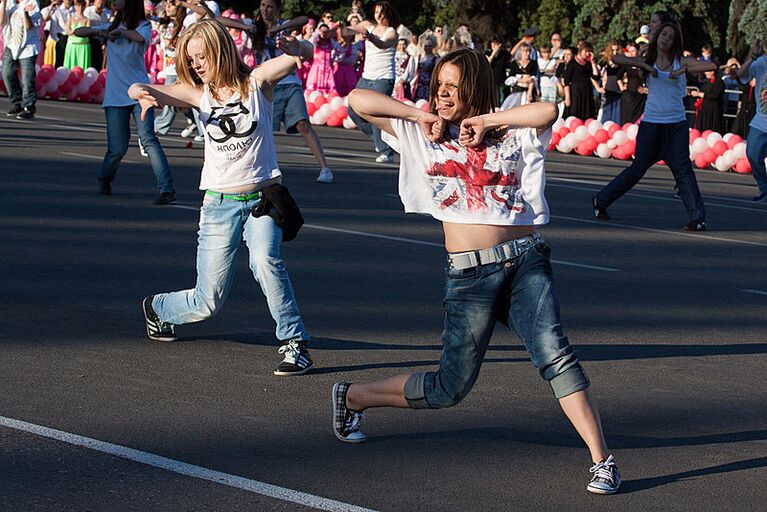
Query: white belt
pixel 496 254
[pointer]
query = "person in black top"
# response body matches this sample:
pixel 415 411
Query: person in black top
pixel 499 61
pixel 746 107
pixel 581 75
pixel 611 93
pixel 523 74
pixel 708 106
pixel 632 83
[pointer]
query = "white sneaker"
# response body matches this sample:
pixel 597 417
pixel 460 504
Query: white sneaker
pixel 141 149
pixel 385 159
pixel 326 176
pixel 189 130
pixel 606 479
pixel 199 138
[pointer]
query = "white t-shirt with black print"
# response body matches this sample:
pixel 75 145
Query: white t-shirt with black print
pixel 239 143
pixel 498 183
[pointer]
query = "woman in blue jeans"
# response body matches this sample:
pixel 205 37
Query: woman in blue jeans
pixel 481 173
pixel 127 38
pixel 235 107
pixel 378 74
pixel 663 133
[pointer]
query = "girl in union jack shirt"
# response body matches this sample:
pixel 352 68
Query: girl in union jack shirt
pixel 481 173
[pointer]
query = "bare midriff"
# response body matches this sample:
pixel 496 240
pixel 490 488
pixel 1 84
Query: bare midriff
pixel 471 237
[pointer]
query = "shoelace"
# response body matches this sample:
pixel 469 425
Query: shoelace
pixel 352 423
pixel 291 351
pixel 604 469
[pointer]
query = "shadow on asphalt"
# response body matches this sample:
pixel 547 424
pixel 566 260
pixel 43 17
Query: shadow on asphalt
pixel 629 486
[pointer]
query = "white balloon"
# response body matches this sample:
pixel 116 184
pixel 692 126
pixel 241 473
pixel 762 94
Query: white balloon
pixel 569 121
pixel 558 124
pixel 612 144
pixel 713 138
pixel 608 124
pixel 720 164
pixel 603 151
pixel 564 147
pixel 620 137
pixel 632 131
pixel 699 145
pixel 349 124
pixel 740 150
pixel 726 137
pixel 325 110
pixel 581 133
pixel 571 141
pixel 314 95
pixel 82 88
pixel 729 158
pixel 336 102
pixel 62 75
pixel 594 127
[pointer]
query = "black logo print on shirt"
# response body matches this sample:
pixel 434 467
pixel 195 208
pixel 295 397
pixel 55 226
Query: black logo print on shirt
pixel 226 122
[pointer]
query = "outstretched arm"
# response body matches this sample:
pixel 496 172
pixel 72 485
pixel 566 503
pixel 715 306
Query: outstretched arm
pixel 634 62
pixel 273 70
pixel 534 115
pixel 176 95
pixel 379 109
pixel 691 65
pixel 756 52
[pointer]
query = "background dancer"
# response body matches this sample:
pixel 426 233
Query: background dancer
pixel 663 132
pixel 755 68
pixel 498 267
pixel 20 21
pixel 126 41
pixel 234 174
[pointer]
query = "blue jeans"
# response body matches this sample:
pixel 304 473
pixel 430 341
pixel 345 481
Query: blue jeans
pixel 224 223
pixel 756 152
pixel 23 93
pixel 655 142
pixel 164 120
pixel 118 136
pixel 384 87
pixel 518 293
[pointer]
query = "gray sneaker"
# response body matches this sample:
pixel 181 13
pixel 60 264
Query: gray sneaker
pixel 346 423
pixel 606 479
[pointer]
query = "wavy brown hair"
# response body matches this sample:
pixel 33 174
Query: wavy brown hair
pixel 676 50
pixel 221 55
pixel 476 88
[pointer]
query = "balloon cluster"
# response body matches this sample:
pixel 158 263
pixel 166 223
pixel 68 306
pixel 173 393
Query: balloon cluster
pixel 72 85
pixel 720 152
pixel 332 110
pixel 612 140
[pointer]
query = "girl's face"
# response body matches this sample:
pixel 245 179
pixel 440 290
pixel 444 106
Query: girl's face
pixel 428 48
pixel 308 31
pixel 79 8
pixel 269 10
pixel 545 53
pixel 118 5
pixel 631 51
pixel 354 21
pixel 449 106
pixel 568 55
pixel 524 53
pixel 585 54
pixel 198 60
pixel 666 39
pixel 401 46
pixel 324 32
pixel 655 23
pixel 379 17
pixel 615 49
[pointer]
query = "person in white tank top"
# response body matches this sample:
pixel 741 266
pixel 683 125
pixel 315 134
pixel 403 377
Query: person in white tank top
pixel 240 163
pixel 663 133
pixel 481 173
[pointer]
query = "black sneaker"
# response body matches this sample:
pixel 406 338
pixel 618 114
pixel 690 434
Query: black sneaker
pixel 606 479
pixel 156 329
pixel 695 225
pixel 346 423
pixel 15 110
pixel 26 114
pixel 166 198
pixel 758 198
pixel 296 359
pixel 599 213
pixel 105 187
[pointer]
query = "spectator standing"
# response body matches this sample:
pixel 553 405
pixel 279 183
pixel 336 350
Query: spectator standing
pixel 708 106
pixel 426 62
pixel 58 28
pixel 20 21
pixel 499 62
pixel 344 69
pixel 528 38
pixel 610 91
pixel 321 76
pixel 78 50
pixel 634 92
pixel 522 73
pixel 404 71
pixel 580 77
pixel 547 68
pixel 557 50
pixel 98 14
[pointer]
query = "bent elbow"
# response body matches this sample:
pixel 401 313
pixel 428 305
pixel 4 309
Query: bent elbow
pixel 551 113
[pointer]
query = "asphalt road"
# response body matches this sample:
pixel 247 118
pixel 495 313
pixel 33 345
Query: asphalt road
pixel 671 328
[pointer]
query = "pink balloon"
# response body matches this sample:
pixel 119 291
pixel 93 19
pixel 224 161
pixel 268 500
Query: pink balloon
pixel 555 138
pixel 626 126
pixel 66 88
pixel 310 108
pixel 582 149
pixel 591 143
pixel 733 141
pixel 701 162
pixel 694 134
pixel 629 147
pixel 720 147
pixel 319 101
pixel 613 128
pixel 710 155
pixel 602 136
pixel 575 123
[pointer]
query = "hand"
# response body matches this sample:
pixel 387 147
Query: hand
pixel 432 125
pixel 364 25
pixel 472 131
pixel 115 34
pixel 289 46
pixel 30 6
pixel 676 73
pixel 270 32
pixel 144 98
pixel 348 32
pixel 103 34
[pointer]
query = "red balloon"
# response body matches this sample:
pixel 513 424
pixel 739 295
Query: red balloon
pixel 626 126
pixel 733 141
pixel 742 166
pixel 701 162
pixel 332 94
pixel 564 131
pixel 694 134
pixel 620 153
pixel 629 147
pixel 661 162
pixel 612 129
pixel 335 120
pixel 319 101
pixel 343 111
pixel 582 149
pixel 555 138
pixel 602 136
pixel 310 109
pixel 575 123
pixel 720 147
pixel 66 88
pixel 588 122
pixel 54 95
pixel 710 155
pixel 706 133
pixel 591 143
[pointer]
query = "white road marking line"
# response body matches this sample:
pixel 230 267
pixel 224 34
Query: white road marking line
pixel 755 292
pixel 610 223
pixel 183 468
pixel 94 157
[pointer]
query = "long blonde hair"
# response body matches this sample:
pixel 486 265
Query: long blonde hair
pixel 225 64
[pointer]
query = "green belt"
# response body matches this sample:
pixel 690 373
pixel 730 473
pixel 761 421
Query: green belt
pixel 235 197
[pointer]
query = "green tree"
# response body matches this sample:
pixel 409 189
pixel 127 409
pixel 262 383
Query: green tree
pixel 751 25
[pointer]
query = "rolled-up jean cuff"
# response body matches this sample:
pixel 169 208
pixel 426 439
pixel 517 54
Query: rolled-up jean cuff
pixel 415 391
pixel 570 381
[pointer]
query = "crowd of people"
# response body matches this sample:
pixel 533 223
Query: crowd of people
pixel 473 166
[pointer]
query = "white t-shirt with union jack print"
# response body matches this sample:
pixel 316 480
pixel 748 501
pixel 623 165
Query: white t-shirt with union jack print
pixel 498 183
